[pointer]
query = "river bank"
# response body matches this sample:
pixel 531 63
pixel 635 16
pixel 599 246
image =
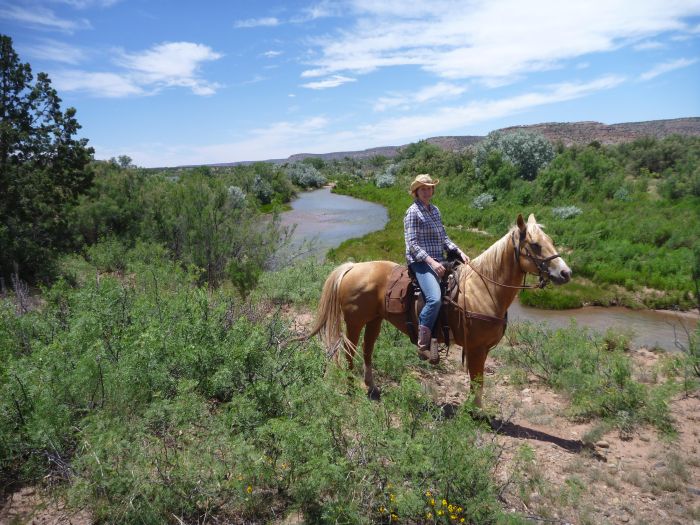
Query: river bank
pixel 331 220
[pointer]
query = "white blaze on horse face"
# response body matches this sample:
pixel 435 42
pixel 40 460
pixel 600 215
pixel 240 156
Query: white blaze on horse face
pixel 559 271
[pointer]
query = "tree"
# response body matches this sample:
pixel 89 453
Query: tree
pixel 527 151
pixel 43 168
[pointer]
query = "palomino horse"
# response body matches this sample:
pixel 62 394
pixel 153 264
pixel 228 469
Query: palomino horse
pixel 354 292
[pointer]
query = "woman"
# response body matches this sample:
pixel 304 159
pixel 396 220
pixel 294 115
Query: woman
pixel 426 242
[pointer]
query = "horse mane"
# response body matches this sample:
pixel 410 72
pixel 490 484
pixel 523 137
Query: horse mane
pixel 491 260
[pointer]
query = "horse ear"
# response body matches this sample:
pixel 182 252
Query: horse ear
pixel 521 223
pixel 531 219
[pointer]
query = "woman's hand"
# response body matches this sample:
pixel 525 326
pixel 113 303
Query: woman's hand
pixel 438 268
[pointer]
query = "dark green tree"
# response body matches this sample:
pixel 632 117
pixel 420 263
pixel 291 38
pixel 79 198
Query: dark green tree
pixel 43 168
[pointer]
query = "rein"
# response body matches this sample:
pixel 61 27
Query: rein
pixel 541 264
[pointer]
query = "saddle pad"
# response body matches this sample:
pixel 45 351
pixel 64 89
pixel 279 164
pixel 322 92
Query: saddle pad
pixel 397 291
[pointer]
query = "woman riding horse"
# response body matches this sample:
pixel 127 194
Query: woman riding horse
pixel 426 242
pixel 355 292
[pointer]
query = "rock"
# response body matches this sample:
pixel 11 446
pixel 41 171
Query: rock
pixel 694 491
pixel 527 399
pixel 602 444
pixel 624 519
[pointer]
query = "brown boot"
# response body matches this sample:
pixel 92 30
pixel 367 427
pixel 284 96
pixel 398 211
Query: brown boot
pixel 424 346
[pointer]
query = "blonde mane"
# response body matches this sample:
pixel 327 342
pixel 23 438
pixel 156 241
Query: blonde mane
pixel 491 260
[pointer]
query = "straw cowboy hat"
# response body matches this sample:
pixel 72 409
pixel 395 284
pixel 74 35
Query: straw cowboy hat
pixel 423 180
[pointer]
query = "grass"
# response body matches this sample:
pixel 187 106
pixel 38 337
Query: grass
pixel 613 262
pixel 595 375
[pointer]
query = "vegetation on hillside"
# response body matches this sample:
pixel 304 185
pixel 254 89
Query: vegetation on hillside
pixel 626 217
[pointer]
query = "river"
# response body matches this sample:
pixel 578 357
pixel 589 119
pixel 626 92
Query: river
pixel 328 219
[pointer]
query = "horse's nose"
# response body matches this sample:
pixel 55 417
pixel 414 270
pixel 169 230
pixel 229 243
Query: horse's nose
pixel 566 275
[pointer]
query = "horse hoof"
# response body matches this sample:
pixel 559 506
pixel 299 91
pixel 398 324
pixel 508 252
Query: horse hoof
pixel 374 394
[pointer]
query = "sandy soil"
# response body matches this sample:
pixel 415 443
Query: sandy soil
pixel 550 471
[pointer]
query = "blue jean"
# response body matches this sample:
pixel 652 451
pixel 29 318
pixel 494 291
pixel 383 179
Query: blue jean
pixel 430 286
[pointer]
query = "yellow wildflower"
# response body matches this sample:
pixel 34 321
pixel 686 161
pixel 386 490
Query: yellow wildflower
pixel 392 497
pixel 428 493
pixel 444 503
pixel 432 502
pixel 451 508
pixel 440 513
pixel 394 517
pixel 453 517
pixel 249 489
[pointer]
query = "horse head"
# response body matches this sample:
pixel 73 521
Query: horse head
pixel 537 254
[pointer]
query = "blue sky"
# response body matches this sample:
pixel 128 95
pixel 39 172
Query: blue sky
pixel 182 82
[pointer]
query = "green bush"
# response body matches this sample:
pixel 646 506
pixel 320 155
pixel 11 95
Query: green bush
pixel 595 375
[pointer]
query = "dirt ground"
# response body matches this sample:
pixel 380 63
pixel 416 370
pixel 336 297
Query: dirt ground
pixel 545 469
pixel 550 474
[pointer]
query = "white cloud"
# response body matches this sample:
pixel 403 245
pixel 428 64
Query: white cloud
pixel 257 22
pixel 37 16
pixel 316 135
pixel 109 85
pixel 84 4
pixel 172 64
pixel 272 54
pixel 331 82
pixel 440 91
pixel 56 51
pixel 489 39
pixel 665 67
pixel 648 45
pixel 455 119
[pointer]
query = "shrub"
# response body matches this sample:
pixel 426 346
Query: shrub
pixel 622 194
pixel 482 201
pixel 595 374
pixel 566 212
pixel 236 197
pixel 527 151
pixel 305 175
pixel 384 180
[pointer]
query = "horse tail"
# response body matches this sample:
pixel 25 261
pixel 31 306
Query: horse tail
pixel 330 315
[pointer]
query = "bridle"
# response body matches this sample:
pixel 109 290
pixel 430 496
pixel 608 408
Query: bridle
pixel 542 264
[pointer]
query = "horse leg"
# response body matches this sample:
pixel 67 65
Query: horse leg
pixel 476 361
pixel 371 334
pixel 353 333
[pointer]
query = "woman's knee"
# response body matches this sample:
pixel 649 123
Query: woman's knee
pixel 432 300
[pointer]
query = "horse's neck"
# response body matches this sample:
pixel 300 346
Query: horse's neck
pixel 501 267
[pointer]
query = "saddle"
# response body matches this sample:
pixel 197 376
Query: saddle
pixel 404 296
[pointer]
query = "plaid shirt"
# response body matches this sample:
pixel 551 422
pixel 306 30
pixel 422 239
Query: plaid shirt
pixel 424 233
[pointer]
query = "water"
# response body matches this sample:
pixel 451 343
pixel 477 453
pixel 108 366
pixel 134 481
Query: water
pixel 327 219
pixel 646 328
pixel 330 219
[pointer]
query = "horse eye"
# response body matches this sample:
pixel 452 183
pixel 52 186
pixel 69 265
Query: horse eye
pixel 536 247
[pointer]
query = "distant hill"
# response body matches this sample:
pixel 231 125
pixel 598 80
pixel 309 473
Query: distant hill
pixel 586 132
pixel 568 133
